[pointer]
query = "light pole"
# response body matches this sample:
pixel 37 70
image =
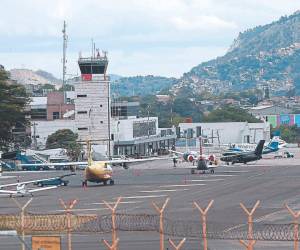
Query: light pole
pixel 148 126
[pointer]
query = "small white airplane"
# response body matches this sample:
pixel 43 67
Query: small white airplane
pixel 21 188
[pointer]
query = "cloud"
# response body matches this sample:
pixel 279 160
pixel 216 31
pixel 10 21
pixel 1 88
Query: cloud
pixel 135 32
pixel 201 23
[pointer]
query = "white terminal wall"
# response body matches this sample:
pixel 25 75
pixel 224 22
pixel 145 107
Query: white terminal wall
pixel 45 128
pixel 123 129
pixel 231 132
pixel 97 109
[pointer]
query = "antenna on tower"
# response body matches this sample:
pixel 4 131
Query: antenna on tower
pixel 65 40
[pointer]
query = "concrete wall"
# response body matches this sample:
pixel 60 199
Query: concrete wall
pixel 231 132
pixel 93 123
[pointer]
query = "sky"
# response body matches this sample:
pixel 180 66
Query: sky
pixel 142 37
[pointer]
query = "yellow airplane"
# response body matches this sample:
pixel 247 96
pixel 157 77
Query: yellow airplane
pixel 98 169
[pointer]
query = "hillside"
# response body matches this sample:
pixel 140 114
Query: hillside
pixel 27 76
pixel 265 56
pixel 141 85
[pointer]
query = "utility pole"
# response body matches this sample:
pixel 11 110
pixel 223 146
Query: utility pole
pixel 148 110
pixel 108 118
pixel 34 136
pixel 65 40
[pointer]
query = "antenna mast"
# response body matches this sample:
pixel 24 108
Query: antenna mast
pixel 65 40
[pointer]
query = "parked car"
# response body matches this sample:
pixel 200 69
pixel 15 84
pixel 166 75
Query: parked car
pixel 53 182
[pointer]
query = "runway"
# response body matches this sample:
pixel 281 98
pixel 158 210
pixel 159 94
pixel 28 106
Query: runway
pixel 273 182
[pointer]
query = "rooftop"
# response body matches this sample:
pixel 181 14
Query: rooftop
pixel 40 100
pixel 261 107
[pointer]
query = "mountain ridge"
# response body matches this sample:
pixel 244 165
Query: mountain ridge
pixel 264 56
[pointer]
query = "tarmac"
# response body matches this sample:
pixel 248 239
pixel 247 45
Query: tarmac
pixel 273 182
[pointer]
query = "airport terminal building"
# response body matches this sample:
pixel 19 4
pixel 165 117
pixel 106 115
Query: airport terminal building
pixel 141 136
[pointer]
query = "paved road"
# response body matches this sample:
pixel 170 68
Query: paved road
pixel 271 181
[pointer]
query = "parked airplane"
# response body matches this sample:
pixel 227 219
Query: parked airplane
pixel 98 170
pixel 251 146
pixel 272 147
pixel 21 188
pixel 194 156
pixel 244 157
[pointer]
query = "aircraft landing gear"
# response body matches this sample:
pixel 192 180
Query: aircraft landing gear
pixel 193 171
pixel 111 182
pixel 105 182
pixel 84 183
pixel 212 171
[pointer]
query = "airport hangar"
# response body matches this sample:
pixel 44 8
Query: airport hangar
pixel 218 133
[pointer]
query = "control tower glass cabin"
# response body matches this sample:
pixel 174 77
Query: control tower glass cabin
pixel 95 65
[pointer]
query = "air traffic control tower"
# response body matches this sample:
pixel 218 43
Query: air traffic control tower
pixel 92 102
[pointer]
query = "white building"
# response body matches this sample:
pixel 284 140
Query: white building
pixel 141 136
pixel 228 132
pixel 92 109
pixel 40 130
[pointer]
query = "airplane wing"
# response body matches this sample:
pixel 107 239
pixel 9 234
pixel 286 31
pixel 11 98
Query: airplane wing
pixel 40 189
pixel 176 152
pixel 7 192
pixel 55 164
pixel 120 161
pixel 27 182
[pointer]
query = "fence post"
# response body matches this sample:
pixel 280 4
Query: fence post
pixel 249 245
pixel 251 241
pixel 22 215
pixel 113 246
pixel 296 216
pixel 113 209
pixel 178 247
pixel 203 218
pixel 161 221
pixel 68 209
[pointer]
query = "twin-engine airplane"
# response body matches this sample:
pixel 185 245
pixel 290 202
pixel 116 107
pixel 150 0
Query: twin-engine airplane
pixel 194 156
pixel 98 170
pixel 21 188
pixel 272 147
pixel 244 157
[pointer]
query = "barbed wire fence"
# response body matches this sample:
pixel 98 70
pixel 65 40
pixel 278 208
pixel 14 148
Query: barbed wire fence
pixel 58 223
pixel 62 223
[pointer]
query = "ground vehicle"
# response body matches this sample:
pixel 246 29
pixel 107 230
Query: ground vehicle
pixel 52 182
pixel 287 154
pixel 35 168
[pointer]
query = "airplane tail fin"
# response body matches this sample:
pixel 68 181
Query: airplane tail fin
pixel 259 148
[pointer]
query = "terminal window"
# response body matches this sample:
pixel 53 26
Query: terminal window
pixel 82 128
pixel 55 115
pixel 144 128
pixel 82 112
pixel 81 96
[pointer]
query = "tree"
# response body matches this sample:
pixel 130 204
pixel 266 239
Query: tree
pixel 290 134
pixel 13 99
pixel 65 138
pixel 230 114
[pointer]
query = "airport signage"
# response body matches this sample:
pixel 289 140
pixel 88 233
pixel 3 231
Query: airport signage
pixel 46 242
